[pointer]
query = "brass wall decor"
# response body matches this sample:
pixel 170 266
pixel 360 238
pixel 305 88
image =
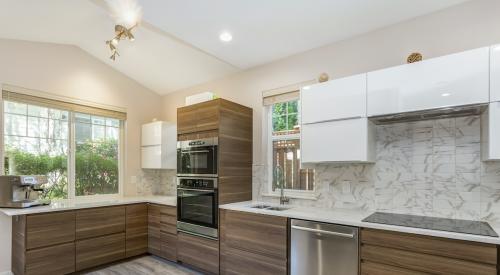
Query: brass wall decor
pixel 121 33
pixel 323 77
pixel 414 57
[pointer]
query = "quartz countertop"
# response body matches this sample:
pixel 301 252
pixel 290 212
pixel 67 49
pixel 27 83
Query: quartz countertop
pixel 353 217
pixel 71 204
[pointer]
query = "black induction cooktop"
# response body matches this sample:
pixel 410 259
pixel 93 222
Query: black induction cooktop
pixel 433 223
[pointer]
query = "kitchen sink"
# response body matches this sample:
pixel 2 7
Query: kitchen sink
pixel 269 207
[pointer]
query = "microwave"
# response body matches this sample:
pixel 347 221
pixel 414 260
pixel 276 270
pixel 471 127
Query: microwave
pixel 197 157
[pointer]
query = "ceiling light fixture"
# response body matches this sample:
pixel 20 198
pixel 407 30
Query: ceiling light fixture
pixel 127 15
pixel 121 33
pixel 225 36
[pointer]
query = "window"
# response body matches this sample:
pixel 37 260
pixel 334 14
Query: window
pixel 285 148
pixel 79 152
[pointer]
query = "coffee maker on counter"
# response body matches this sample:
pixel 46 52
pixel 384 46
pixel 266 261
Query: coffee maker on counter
pixel 22 191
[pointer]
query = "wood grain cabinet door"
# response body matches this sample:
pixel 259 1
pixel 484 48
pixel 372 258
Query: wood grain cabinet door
pixel 101 250
pixel 99 221
pixel 154 239
pixel 168 246
pixel 136 229
pixel 199 252
pixel 207 115
pixel 58 259
pixel 50 229
pixel 186 120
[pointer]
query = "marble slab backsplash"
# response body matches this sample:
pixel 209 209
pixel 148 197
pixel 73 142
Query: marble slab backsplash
pixel 429 167
pixel 156 182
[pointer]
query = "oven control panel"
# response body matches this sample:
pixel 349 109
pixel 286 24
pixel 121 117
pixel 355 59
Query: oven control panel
pixel 197 183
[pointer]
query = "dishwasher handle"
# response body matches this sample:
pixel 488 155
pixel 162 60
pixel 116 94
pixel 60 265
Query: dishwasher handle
pixel 333 233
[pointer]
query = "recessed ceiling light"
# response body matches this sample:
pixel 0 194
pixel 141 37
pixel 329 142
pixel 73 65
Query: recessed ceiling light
pixel 225 36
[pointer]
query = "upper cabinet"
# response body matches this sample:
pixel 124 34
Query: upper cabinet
pixel 336 99
pixel 198 117
pixel 452 80
pixel 495 73
pixel 159 145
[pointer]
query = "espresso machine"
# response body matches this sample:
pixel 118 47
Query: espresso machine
pixel 22 191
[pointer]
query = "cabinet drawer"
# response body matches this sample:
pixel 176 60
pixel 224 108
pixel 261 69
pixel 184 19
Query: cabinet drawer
pixel 369 268
pixel 235 261
pixel 262 234
pixel 169 246
pixel 99 221
pixel 471 251
pixel 50 229
pixel 423 262
pixel 198 252
pixel 100 250
pixel 59 259
pixel 168 210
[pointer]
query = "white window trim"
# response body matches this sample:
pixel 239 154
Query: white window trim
pixel 71 160
pixel 268 153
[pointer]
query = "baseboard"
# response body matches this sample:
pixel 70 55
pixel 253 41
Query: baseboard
pixel 6 273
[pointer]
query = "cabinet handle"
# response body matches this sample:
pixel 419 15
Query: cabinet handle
pixel 333 233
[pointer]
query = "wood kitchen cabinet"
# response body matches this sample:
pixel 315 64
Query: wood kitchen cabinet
pixel 386 252
pixel 100 250
pixel 43 243
pixel 253 243
pixel 162 231
pixel 199 252
pixel 100 221
pixel 232 124
pixel 136 229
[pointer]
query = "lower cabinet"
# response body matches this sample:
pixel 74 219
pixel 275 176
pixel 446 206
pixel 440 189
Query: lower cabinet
pixel 101 250
pixel 136 229
pixel 386 252
pixel 162 231
pixel 58 259
pixel 199 252
pixel 253 243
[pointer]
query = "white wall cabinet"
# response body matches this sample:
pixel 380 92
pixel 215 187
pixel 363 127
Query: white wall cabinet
pixel 490 132
pixel 159 145
pixel 495 73
pixel 349 140
pixel 452 80
pixel 335 99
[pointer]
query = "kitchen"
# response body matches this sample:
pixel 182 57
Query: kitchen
pixel 430 167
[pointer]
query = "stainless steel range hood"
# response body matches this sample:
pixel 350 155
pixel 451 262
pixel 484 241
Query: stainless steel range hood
pixel 447 112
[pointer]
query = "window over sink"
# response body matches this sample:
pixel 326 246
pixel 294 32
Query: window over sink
pixel 284 146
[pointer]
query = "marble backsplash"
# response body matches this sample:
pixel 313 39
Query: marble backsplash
pixel 424 168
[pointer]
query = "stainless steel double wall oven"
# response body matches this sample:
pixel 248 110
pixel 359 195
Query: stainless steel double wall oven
pixel 197 199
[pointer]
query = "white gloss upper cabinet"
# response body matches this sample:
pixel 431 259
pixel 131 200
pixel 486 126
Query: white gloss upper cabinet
pixel 335 99
pixel 452 80
pixel 490 132
pixel 495 73
pixel 159 145
pixel 348 140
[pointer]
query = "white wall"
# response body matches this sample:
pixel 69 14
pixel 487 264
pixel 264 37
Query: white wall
pixel 470 25
pixel 68 71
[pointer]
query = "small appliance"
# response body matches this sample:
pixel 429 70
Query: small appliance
pixel 22 191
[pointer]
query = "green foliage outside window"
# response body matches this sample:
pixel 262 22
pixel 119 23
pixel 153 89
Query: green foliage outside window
pixel 96 168
pixel 285 116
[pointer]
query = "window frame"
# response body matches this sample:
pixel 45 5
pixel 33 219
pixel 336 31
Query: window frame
pixel 71 154
pixel 268 153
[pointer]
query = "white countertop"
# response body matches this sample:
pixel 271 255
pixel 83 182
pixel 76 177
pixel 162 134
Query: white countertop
pixel 353 217
pixel 61 205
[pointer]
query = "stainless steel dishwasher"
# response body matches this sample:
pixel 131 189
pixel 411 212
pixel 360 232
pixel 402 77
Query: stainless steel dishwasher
pixel 323 249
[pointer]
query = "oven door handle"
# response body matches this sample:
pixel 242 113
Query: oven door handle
pixel 194 152
pixel 197 190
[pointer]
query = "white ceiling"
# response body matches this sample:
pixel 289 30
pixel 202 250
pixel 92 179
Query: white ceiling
pixel 177 45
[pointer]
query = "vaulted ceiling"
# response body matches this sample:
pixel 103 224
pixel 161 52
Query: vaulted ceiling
pixel 177 44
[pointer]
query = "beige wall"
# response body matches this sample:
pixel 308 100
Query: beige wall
pixel 69 71
pixel 470 25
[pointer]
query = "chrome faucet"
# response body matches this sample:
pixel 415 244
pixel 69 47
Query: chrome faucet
pixel 279 182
